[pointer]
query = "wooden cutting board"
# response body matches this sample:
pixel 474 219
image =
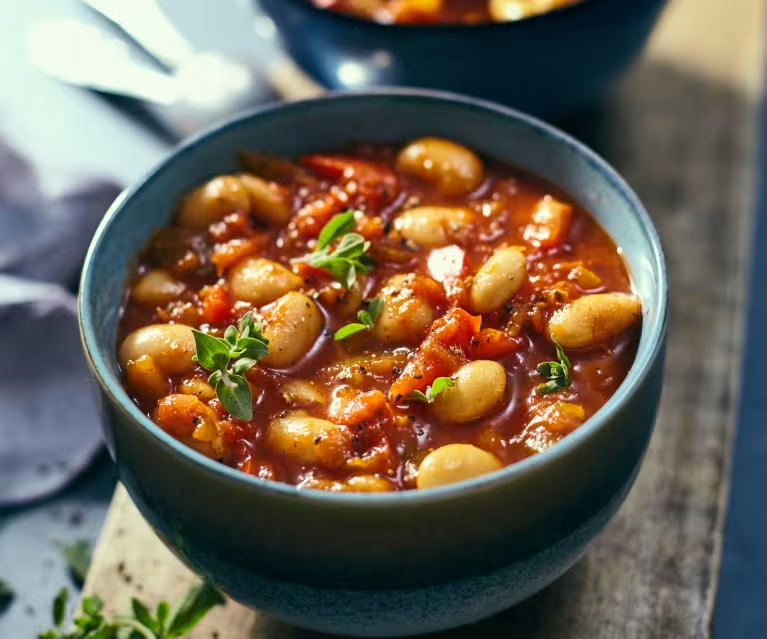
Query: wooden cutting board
pixel 682 128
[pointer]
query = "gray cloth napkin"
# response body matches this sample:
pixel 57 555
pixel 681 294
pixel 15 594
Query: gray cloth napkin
pixel 49 426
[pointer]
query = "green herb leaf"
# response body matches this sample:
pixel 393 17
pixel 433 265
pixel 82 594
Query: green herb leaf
pixel 367 319
pixel 60 607
pixel 234 394
pixel 348 259
pixel 558 373
pixel 339 225
pixel 418 396
pixel 374 309
pixel 428 397
pixel 244 343
pixel 440 384
pixel 78 557
pixel 192 608
pixel 562 357
pixel 92 605
pixel 243 365
pixel 230 335
pixel 144 617
pixel 349 330
pixel 251 347
pixel 212 352
pixel 163 611
pixel 7 595
pixel 553 386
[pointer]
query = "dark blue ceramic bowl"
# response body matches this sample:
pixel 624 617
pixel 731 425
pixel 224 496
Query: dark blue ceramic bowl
pixel 386 564
pixel 549 65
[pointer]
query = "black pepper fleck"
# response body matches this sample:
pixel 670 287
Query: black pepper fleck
pixel 396 371
pixel 317 440
pixel 284 414
pixel 363 370
pixel 417 376
pixel 411 418
pixel 397 398
pixel 387 228
pixel 359 428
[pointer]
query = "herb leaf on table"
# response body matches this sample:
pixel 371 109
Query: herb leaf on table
pixel 93 624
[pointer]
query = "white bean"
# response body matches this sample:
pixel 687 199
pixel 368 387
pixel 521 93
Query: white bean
pixel 406 314
pixel 594 319
pixel 453 463
pixel 213 201
pixel 171 346
pixel 301 392
pixel 498 279
pixel 452 167
pixel 292 324
pixel 268 202
pixel 310 439
pixel 434 226
pixel 156 287
pixel 478 388
pixel 261 281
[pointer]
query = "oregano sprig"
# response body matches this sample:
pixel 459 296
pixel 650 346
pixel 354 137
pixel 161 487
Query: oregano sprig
pixel 367 319
pixel 244 344
pixel 164 623
pixel 428 397
pixel 348 258
pixel 558 373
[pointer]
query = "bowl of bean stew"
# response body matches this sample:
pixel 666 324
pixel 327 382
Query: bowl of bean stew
pixel 546 57
pixel 381 363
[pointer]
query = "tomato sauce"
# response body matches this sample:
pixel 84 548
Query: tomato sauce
pixel 361 384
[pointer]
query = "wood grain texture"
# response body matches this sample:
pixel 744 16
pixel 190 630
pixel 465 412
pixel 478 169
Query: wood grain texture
pixel 682 130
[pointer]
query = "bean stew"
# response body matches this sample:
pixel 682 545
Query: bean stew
pixel 442 11
pixel 377 318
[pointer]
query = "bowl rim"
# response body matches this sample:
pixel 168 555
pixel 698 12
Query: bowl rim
pixel 639 371
pixel 447 28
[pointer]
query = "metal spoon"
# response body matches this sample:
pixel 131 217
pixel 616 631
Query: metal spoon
pixel 203 88
pixel 206 75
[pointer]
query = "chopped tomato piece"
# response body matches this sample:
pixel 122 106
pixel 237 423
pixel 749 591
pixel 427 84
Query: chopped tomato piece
pixel 227 255
pixel 216 304
pixel 441 353
pixel 492 343
pixel 551 221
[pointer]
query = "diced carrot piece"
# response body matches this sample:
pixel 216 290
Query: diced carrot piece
pixel 551 221
pixel 227 255
pixel 182 415
pixel 493 343
pixel 216 304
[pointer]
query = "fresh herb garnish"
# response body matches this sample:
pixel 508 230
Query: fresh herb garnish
pixel 367 318
pixel 246 346
pixel 348 257
pixel 78 557
pixel 437 386
pixel 92 623
pixel 7 595
pixel 558 373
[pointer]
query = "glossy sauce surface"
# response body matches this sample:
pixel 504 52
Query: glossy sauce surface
pixel 365 434
pixel 442 11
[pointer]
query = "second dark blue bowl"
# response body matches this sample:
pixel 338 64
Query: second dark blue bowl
pixel 548 65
